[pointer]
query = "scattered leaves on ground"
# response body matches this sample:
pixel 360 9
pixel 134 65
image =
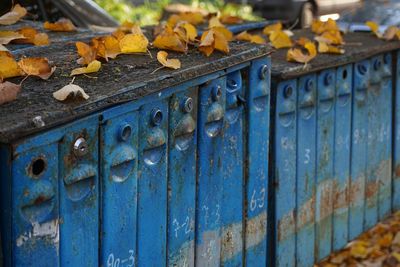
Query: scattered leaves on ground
pixel 133 43
pixel 12 17
pixel 300 56
pixel 70 91
pixel 272 28
pixel 36 66
pixel 62 25
pixel 280 39
pixel 8 92
pixel 93 66
pixel 374 28
pixel 169 63
pixel 380 246
pixel 253 38
pixel 212 40
pixel 320 27
pixel 32 36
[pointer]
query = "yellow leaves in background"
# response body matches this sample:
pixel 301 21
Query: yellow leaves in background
pixel 25 35
pixel 170 40
pixel 36 67
pixel 213 39
pixel 133 43
pixel 320 27
pixel 374 28
pixel 13 16
pixel 297 54
pixel 93 66
pixel 280 39
pixel 329 49
pixel 169 63
pixel 272 28
pixel 253 38
pixel 193 18
pixel 62 25
pixel 390 33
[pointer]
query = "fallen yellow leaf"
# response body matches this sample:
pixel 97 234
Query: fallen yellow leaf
pixel 8 92
pixel 62 25
pixel 253 38
pixel 32 36
pixel 8 36
pixel 8 66
pixel 213 39
pixel 279 39
pixel 36 66
pixel 227 33
pixel 273 28
pixel 320 27
pixel 13 16
pixel 87 53
pixel 169 63
pixel 193 18
pixel 332 37
pixel 134 43
pixel 374 28
pixel 93 66
pixel 169 40
pixel 186 31
pixel 214 22
pixel 329 49
pixel 297 55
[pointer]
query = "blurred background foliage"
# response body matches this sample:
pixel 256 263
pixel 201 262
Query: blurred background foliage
pixel 150 12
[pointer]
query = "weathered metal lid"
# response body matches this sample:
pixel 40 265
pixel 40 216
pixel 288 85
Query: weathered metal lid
pixel 127 78
pixel 358 46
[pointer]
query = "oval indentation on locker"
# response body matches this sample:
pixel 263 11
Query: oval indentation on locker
pixel 38 202
pixel 80 182
pixel 37 167
pixel 307 105
pixel 123 163
pixel 215 120
pixel 288 113
pixel 184 132
pixel 260 102
pixel 343 98
pixel 232 114
pixel 361 95
pixel 326 99
pixel 233 81
pixel 155 148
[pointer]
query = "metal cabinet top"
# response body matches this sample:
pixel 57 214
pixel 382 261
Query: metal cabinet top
pixel 127 78
pixel 358 46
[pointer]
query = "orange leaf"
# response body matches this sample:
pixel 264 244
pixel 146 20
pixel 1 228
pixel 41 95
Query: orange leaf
pixel 214 22
pixel 272 28
pixel 93 66
pixel 36 67
pixel 228 19
pixel 320 27
pixel 374 28
pixel 193 18
pixel 8 92
pixel 253 38
pixel 13 16
pixel 169 63
pixel 8 36
pixel 112 47
pixel 186 31
pixel 169 40
pixel 332 37
pixel 87 53
pixel 227 33
pixel 302 41
pixel 133 43
pixel 211 40
pixel 279 39
pixel 118 34
pixel 297 55
pixel 62 25
pixel 8 66
pixel 329 49
pixel 32 36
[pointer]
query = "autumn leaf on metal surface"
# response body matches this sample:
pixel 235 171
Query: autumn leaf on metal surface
pixel 8 66
pixel 93 66
pixel 225 32
pixel 297 54
pixel 193 18
pixel 331 37
pixel 272 28
pixel 13 16
pixel 302 41
pixel 36 66
pixel 133 43
pixel 8 36
pixel 8 92
pixel 86 52
pixel 214 22
pixel 70 91
pixel 391 33
pixel 186 31
pixel 228 19
pixel 32 36
pixel 168 39
pixel 169 63
pixel 253 38
pixel 106 47
pixel 213 40
pixel 320 27
pixel 374 28
pixel 62 25
pixel 329 49
pixel 279 39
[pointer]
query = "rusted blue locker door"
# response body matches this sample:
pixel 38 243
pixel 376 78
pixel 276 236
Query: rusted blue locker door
pixel 210 179
pixel 374 144
pixel 285 173
pixel 119 156
pixel 359 136
pixel 396 147
pixel 384 173
pixel 32 232
pixel 233 173
pixel 152 184
pixel 79 194
pixel 258 125
pixel 182 177
pixel 344 83
pixel 306 159
pixel 324 176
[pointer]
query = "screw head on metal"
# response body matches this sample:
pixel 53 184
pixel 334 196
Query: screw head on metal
pixel 188 105
pixel 156 116
pixel 125 132
pixel 288 91
pixel 80 147
pixel 264 72
pixel 217 93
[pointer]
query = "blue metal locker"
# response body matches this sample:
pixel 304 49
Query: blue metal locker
pixel 182 177
pixel 257 178
pixel 210 172
pixel 359 131
pixel 324 176
pixel 396 138
pixel 152 184
pixel 233 172
pixel 285 173
pixel 79 194
pixel 385 137
pixel 306 170
pixel 119 157
pixel 343 106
